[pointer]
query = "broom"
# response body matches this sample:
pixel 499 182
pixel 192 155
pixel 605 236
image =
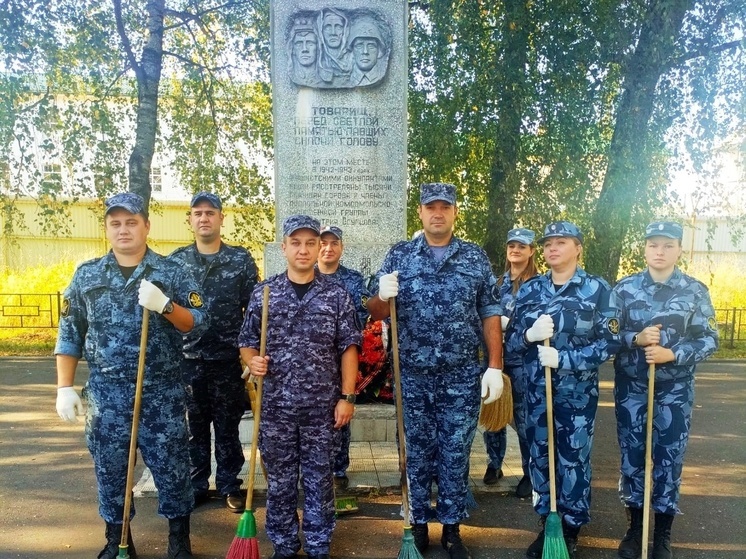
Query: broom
pixel 245 544
pixel 554 539
pixel 648 464
pixel 496 415
pixel 408 549
pixel 124 542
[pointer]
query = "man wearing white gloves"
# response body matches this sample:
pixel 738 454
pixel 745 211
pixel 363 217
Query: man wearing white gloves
pixel 447 308
pixel 100 320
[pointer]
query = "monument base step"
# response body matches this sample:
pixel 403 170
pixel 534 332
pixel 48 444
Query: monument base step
pixel 373 423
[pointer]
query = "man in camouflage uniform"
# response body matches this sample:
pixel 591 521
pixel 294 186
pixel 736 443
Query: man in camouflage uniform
pixel 330 254
pixel 310 369
pixel 101 321
pixel 211 365
pixel 667 320
pixel 447 307
pixel 578 313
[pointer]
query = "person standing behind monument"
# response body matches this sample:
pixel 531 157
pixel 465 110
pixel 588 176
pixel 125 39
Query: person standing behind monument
pixel 667 320
pixel 310 368
pixel 211 366
pixel 447 307
pixel 332 248
pixel 520 266
pixel 101 320
pixel 579 314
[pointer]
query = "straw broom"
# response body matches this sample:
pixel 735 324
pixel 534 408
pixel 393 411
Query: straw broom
pixel 648 463
pixel 554 539
pixel 124 542
pixel 496 415
pixel 245 544
pixel 408 549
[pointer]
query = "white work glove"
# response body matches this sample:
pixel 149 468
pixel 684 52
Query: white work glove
pixel 492 384
pixel 504 320
pixel 543 329
pixel 548 357
pixel 69 404
pixel 388 286
pixel 151 297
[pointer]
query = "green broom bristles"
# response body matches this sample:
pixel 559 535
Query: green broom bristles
pixel 408 549
pixel 245 544
pixel 554 539
pixel 123 552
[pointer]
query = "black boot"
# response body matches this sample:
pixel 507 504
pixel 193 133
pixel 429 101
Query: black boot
pixel 451 542
pixel 536 549
pixel 662 536
pixel 421 538
pixel 179 546
pixel 113 537
pixel 631 545
pixel 570 534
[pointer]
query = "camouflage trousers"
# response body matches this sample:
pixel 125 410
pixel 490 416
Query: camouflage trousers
pixel 341 451
pixel 672 418
pixel 162 440
pixel 216 395
pixel 441 410
pixel 496 442
pixel 292 441
pixel 575 402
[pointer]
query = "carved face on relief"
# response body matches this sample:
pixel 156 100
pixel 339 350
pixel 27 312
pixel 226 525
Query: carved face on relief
pixel 333 30
pixel 304 48
pixel 366 51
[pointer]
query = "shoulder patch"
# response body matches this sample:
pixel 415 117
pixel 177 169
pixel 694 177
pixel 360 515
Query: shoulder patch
pixel 195 299
pixel 712 323
pixel 364 301
pixel 613 326
pixel 65 309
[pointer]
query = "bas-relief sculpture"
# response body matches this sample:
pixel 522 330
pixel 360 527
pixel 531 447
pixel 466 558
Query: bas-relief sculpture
pixel 334 48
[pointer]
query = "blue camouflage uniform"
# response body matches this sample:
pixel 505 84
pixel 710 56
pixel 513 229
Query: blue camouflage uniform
pixel 440 308
pixel 354 283
pixel 101 321
pixel 305 340
pixel 586 325
pixel 682 305
pixel 211 365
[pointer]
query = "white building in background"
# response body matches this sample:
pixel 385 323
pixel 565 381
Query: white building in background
pixel 712 242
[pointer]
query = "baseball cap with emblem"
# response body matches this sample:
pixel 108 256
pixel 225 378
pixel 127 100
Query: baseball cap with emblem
pixel 209 197
pixel 128 201
pixel 525 236
pixel 443 191
pixel 669 229
pixel 334 230
pixel 293 223
pixel 562 229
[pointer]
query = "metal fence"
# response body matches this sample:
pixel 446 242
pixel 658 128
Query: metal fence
pixel 42 310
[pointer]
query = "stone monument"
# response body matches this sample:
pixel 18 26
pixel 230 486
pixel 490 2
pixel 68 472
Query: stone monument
pixel 339 94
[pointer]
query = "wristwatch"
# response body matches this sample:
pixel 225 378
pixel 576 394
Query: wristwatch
pixel 169 308
pixel 350 398
pixel 634 339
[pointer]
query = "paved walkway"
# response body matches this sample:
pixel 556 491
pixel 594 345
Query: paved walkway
pixel 374 466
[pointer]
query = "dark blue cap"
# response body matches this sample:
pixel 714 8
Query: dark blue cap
pixel 128 201
pixel 669 229
pixel 334 230
pixel 432 191
pixel 208 197
pixel 562 229
pixel 525 236
pixel 294 222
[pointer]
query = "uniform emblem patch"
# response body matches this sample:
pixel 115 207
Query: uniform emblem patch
pixel 195 300
pixel 364 301
pixel 712 323
pixel 65 310
pixel 613 326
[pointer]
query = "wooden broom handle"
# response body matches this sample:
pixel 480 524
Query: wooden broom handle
pixel 648 462
pixel 258 398
pixel 550 436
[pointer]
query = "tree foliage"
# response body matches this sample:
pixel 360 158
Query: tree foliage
pixel 110 85
pixel 560 110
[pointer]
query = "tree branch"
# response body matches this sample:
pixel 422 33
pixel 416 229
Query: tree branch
pixel 125 40
pixel 706 50
pixel 187 17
